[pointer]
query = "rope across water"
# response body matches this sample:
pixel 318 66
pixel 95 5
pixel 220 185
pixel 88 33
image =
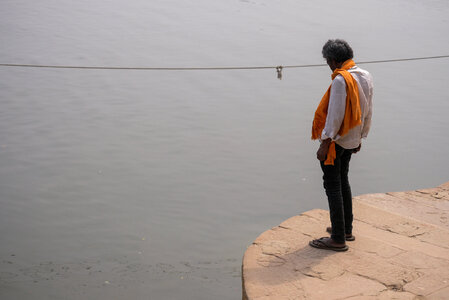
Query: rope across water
pixel 277 68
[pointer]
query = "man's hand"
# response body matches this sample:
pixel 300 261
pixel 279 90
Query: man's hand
pixel 355 150
pixel 321 154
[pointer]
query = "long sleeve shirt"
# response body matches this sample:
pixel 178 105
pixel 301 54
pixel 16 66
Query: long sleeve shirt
pixel 337 106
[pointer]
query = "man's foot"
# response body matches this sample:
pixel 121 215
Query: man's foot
pixel 349 237
pixel 328 243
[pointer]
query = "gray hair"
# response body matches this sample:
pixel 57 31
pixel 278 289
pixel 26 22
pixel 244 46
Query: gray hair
pixel 337 50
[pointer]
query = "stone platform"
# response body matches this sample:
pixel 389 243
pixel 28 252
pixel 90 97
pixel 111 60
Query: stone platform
pixel 401 251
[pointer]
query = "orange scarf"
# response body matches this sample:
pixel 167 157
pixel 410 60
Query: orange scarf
pixel 353 113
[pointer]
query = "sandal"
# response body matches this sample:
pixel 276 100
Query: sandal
pixel 349 237
pixel 323 243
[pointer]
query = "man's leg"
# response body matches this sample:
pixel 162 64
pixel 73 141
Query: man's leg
pixel 346 190
pixel 332 185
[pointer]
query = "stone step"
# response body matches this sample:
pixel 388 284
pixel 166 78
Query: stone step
pixel 394 256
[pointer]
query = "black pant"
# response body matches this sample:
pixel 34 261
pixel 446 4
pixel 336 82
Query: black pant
pixel 338 193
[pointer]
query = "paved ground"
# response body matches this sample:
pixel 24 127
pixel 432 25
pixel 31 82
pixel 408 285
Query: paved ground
pixel 401 251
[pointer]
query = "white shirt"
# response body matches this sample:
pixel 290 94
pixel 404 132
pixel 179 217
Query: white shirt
pixel 337 107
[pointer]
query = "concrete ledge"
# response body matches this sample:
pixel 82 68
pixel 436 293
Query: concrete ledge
pixel 401 251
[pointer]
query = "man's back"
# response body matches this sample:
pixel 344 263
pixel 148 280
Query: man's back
pixel 338 102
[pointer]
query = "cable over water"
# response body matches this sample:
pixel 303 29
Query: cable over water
pixel 277 68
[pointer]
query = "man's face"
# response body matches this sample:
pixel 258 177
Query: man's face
pixel 331 63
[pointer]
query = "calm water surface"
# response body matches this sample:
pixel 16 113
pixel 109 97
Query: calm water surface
pixel 150 185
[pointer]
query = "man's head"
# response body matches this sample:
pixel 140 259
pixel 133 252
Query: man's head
pixel 336 52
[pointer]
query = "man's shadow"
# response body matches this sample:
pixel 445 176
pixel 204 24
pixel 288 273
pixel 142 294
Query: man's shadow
pixel 275 269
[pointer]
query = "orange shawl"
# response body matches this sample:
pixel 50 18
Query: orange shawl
pixel 353 113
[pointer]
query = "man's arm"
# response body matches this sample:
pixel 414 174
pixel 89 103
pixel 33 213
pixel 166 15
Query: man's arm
pixel 367 120
pixel 335 110
pixel 335 116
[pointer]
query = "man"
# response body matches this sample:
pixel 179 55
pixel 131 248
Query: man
pixel 342 119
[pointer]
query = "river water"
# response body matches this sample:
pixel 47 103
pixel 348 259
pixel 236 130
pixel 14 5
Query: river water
pixel 151 184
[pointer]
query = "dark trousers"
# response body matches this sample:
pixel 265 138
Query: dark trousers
pixel 338 193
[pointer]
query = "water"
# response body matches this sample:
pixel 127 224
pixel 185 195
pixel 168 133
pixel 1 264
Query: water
pixel 150 185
